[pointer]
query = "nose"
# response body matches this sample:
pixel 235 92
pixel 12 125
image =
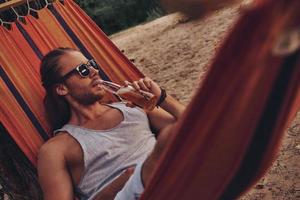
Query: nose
pixel 93 71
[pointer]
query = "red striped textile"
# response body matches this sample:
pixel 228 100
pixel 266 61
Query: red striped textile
pixel 232 129
pixel 22 47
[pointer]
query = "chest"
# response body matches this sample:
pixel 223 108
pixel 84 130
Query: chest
pixel 114 136
pixel 108 120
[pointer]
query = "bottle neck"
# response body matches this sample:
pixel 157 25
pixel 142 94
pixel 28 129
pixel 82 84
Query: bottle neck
pixel 110 86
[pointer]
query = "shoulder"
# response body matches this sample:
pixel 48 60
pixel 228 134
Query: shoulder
pixel 118 104
pixel 127 107
pixel 56 147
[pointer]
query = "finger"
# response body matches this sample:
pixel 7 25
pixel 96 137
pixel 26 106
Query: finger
pixel 135 85
pixel 126 83
pixel 148 82
pixel 143 85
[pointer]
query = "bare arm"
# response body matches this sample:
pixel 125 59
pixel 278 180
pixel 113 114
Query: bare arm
pixel 169 110
pixel 168 113
pixel 53 174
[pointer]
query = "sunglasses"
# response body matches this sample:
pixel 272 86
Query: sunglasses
pixel 83 70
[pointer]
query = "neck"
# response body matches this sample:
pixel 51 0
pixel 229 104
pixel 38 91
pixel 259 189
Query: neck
pixel 81 114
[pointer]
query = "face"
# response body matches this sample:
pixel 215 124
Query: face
pixel 85 90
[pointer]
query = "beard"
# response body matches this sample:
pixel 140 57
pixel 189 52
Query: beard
pixel 87 98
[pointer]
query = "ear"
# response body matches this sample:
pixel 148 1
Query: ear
pixel 61 89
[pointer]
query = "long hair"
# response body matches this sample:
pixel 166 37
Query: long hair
pixel 57 108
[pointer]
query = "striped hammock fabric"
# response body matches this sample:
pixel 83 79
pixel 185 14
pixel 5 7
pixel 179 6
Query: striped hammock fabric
pixel 22 48
pixel 231 130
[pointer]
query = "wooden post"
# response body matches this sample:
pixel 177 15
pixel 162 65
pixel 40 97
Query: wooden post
pixel 12 3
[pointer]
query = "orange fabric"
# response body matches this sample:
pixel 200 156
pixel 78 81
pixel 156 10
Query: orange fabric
pixel 46 32
pixel 20 64
pixel 20 60
pixel 230 133
pixel 113 62
pixel 21 130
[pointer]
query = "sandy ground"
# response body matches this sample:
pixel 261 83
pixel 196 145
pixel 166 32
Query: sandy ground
pixel 176 53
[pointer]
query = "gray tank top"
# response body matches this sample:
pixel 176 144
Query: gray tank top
pixel 107 153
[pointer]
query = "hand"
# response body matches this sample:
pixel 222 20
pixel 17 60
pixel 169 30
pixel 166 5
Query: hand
pixel 147 85
pixel 110 191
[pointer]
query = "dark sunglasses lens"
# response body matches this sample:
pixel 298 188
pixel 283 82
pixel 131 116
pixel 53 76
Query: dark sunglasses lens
pixel 83 70
pixel 94 64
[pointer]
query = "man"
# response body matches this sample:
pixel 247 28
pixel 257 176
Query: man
pixel 97 144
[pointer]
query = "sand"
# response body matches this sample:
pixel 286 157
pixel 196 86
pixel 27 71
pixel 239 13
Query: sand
pixel 176 52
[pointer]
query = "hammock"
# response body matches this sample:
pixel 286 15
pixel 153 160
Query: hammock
pixel 22 48
pixel 231 130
